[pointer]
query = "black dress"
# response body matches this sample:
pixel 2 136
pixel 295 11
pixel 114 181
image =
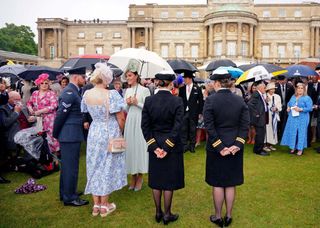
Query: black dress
pixel 162 117
pixel 226 119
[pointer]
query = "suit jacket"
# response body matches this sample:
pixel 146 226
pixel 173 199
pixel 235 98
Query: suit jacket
pixel 288 94
pixel 226 118
pixel 10 125
pixel 68 122
pixel 195 102
pixel 4 97
pixel 257 110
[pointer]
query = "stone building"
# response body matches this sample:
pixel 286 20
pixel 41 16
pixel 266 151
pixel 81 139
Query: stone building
pixel 235 29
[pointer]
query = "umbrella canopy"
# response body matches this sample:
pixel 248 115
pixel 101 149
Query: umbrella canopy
pixel 3 61
pixel 234 72
pixel 12 69
pixel 83 61
pixel 151 62
pixel 258 73
pixel 300 71
pixel 269 67
pixel 33 72
pixel 180 66
pixel 218 63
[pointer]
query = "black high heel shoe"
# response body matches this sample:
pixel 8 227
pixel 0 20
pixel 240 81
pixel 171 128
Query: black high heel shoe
pixel 217 221
pixel 170 218
pixel 227 221
pixel 158 217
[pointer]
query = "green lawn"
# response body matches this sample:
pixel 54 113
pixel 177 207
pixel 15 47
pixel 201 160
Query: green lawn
pixel 281 190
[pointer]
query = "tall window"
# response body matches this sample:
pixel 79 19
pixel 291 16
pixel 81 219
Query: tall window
pixel 81 35
pixel 140 12
pixel 282 13
pixel 297 50
pixel 281 51
pixel 99 50
pixel 194 51
pixel 52 51
pixel 244 48
pixel 116 48
pixel 266 13
pixel 265 51
pixel 116 35
pixel 194 14
pixel 81 50
pixel 180 14
pixel 297 13
pixel 164 51
pixel 164 14
pixel 231 48
pixel 98 34
pixel 217 48
pixel 179 50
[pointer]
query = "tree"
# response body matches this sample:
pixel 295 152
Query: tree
pixel 18 39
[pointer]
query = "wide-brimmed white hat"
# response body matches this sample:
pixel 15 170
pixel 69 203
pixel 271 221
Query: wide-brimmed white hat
pixel 271 85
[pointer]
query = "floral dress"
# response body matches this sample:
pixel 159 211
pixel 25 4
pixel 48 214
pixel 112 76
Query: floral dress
pixel 106 172
pixel 50 101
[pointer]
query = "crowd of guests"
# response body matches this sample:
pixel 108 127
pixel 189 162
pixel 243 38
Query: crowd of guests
pixel 165 116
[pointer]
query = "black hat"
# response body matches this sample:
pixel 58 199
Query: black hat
pixel 165 75
pixel 317 67
pixel 280 77
pixel 187 74
pixel 79 70
pixel 220 74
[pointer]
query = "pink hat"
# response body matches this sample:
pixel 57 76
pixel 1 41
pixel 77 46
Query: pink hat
pixel 41 78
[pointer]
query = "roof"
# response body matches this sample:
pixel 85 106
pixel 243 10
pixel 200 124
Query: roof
pixel 91 56
pixel 311 64
pixel 16 55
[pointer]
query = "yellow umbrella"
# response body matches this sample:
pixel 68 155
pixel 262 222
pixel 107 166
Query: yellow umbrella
pixel 10 62
pixel 258 73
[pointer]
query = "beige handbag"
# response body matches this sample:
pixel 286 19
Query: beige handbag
pixel 115 145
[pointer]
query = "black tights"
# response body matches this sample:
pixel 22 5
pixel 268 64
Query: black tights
pixel 221 195
pixel 168 195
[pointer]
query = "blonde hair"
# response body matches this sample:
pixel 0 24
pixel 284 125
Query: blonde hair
pixel 101 74
pixel 304 89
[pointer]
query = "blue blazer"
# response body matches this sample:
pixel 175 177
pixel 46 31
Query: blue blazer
pixel 68 122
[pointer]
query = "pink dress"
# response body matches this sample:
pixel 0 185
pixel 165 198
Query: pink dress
pixel 50 101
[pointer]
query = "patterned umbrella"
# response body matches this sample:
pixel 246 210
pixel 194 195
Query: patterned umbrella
pixel 300 71
pixel 233 71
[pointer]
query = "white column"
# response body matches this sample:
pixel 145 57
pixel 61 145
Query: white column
pixel 146 36
pixel 312 42
pixel 60 55
pixel 133 37
pixel 55 43
pixel 224 39
pixel 210 41
pixel 239 38
pixel 39 42
pixel 205 42
pixel 317 43
pixel 43 46
pixel 151 39
pixel 251 41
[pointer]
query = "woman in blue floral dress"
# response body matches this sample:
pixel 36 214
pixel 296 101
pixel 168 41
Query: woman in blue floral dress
pixel 296 130
pixel 106 172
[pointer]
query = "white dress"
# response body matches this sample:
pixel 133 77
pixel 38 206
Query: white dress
pixel 274 100
pixel 136 153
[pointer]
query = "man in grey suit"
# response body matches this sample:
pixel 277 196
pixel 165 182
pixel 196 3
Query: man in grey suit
pixel 68 130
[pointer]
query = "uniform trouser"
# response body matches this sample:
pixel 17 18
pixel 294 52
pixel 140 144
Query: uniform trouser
pixel 188 132
pixel 259 139
pixel 70 153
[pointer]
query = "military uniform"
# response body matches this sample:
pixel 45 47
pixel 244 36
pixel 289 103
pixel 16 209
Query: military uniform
pixel 68 130
pixel 226 119
pixel 162 117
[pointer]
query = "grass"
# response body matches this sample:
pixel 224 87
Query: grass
pixel 281 190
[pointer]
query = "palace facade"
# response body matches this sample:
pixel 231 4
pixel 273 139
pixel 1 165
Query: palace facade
pixel 236 29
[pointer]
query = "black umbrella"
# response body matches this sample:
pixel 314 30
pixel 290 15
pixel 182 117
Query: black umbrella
pixel 270 67
pixel 83 61
pixel 3 61
pixel 116 70
pixel 180 66
pixel 218 63
pixel 33 72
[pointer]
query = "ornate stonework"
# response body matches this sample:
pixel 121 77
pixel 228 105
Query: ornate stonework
pixel 235 29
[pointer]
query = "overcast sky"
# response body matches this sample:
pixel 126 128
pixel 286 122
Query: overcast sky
pixel 26 12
